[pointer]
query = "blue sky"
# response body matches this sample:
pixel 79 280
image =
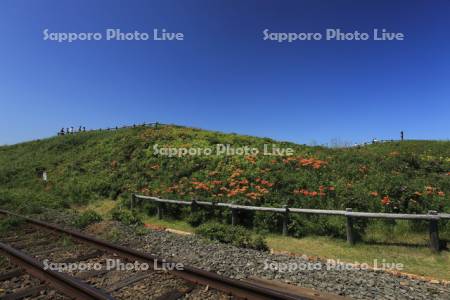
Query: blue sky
pixel 223 75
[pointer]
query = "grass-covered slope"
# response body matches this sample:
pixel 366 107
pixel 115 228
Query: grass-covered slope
pixel 409 176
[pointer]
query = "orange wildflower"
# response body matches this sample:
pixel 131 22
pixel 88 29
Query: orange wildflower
pixel 200 186
pixel 243 181
pixel 236 173
pixel 302 192
pixel 251 159
pixel 385 200
pixel 267 183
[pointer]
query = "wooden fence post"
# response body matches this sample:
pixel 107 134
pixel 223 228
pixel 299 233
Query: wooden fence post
pixel 133 199
pixel 213 209
pixel 234 216
pixel 285 220
pixel 350 235
pixel 194 206
pixel 160 210
pixel 434 233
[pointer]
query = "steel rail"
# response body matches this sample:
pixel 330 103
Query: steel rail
pixel 67 285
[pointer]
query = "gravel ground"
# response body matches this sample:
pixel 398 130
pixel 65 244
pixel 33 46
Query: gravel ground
pixel 241 263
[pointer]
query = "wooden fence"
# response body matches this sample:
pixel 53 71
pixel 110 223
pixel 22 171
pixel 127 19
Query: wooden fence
pixel 432 217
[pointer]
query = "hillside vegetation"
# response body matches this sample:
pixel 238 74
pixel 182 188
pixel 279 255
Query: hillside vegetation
pixel 408 176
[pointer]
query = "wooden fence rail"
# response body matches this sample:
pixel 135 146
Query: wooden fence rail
pixel 432 217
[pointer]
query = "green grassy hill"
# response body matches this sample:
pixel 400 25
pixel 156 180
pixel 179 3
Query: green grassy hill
pixel 408 176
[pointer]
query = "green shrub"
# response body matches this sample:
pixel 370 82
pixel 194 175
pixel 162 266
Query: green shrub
pixel 87 218
pixel 197 218
pixel 235 235
pixel 125 216
pixel 259 243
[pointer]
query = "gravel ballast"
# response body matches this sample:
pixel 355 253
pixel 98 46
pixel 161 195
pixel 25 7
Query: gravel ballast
pixel 240 263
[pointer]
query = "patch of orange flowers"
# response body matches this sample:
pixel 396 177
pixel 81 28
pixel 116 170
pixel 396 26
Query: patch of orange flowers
pixel 374 194
pixel 200 185
pixel 429 190
pixel 264 182
pixel 253 195
pixel 305 192
pixel 251 159
pixel 236 173
pixel 386 200
pixel 237 185
pixel 306 162
pixel 237 191
pixel 315 163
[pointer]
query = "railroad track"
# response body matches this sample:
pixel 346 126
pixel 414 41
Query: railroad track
pixel 36 248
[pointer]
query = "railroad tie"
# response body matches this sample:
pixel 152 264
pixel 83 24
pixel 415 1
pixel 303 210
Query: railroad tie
pixel 127 281
pixel 174 294
pixel 25 292
pixel 11 274
pixel 90 255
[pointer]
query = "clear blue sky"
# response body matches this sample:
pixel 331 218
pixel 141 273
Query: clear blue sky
pixel 224 76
